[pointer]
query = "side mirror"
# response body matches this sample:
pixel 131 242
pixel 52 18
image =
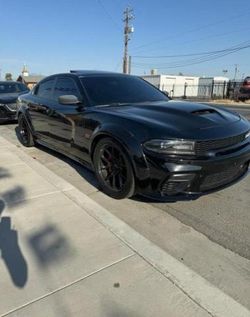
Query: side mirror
pixel 68 100
pixel 166 94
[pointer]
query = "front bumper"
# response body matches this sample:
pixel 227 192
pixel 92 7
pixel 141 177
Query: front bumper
pixel 178 178
pixel 7 112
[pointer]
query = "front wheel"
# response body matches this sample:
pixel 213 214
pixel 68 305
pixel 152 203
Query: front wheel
pixel 113 169
pixel 25 134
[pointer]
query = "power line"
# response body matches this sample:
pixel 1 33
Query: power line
pixel 109 15
pixel 164 47
pixel 190 54
pixel 192 62
pixel 231 49
pixel 189 31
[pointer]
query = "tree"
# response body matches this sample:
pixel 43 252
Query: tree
pixel 8 76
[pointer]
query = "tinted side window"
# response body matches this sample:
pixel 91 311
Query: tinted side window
pixel 45 88
pixel 65 86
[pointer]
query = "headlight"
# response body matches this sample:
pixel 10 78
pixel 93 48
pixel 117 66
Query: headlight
pixel 171 146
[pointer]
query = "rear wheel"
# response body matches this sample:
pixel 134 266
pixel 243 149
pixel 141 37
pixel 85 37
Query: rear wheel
pixel 113 169
pixel 25 134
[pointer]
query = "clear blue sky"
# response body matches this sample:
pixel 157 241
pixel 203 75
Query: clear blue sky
pixel 55 36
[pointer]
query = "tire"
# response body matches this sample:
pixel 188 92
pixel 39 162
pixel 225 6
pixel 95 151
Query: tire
pixel 113 169
pixel 25 135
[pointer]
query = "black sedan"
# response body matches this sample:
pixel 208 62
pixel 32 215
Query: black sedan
pixel 133 137
pixel 9 92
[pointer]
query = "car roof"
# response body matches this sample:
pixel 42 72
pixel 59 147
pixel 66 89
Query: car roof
pixel 9 82
pixel 93 72
pixel 85 73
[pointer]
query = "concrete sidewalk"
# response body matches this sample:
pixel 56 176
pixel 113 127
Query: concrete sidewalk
pixel 64 255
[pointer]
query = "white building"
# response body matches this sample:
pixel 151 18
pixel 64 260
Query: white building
pixel 213 87
pixel 176 86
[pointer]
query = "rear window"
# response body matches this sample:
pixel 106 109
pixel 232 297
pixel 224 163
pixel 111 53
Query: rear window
pixel 105 90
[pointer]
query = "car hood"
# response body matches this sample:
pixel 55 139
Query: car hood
pixel 174 119
pixel 9 98
pixel 177 115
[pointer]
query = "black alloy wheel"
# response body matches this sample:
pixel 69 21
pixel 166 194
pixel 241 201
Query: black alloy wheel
pixel 113 169
pixel 25 135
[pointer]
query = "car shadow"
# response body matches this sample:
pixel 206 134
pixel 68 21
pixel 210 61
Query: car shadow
pixel 162 199
pixel 9 122
pixel 81 169
pixel 148 199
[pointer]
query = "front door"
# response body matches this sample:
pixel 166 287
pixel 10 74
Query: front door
pixel 62 118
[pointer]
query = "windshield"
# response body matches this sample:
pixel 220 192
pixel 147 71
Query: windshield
pixel 8 88
pixel 105 90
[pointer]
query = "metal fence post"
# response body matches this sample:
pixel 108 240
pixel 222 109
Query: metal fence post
pixel 212 89
pixel 185 90
pixel 224 88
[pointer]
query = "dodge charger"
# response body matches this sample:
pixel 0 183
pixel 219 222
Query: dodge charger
pixel 135 139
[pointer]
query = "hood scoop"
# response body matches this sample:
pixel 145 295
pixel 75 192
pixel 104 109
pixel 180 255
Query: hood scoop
pixel 202 112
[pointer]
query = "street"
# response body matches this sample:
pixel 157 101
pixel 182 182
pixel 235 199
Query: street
pixel 210 235
pixel 243 110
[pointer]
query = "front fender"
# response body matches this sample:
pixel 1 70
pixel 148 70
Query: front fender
pixel 130 144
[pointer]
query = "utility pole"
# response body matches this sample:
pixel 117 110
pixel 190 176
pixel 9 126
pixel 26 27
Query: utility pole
pixel 235 71
pixel 129 64
pixel 128 29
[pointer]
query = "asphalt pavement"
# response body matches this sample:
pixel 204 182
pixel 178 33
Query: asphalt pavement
pixel 244 110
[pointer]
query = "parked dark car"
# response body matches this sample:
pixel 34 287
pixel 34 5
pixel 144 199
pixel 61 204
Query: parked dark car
pixel 133 137
pixel 9 92
pixel 243 92
pixel 246 83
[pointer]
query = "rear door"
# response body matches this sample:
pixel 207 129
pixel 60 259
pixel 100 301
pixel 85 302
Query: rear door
pixel 39 105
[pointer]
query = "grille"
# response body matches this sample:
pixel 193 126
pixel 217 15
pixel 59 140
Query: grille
pixel 2 111
pixel 205 146
pixel 172 187
pixel 11 106
pixel 222 178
